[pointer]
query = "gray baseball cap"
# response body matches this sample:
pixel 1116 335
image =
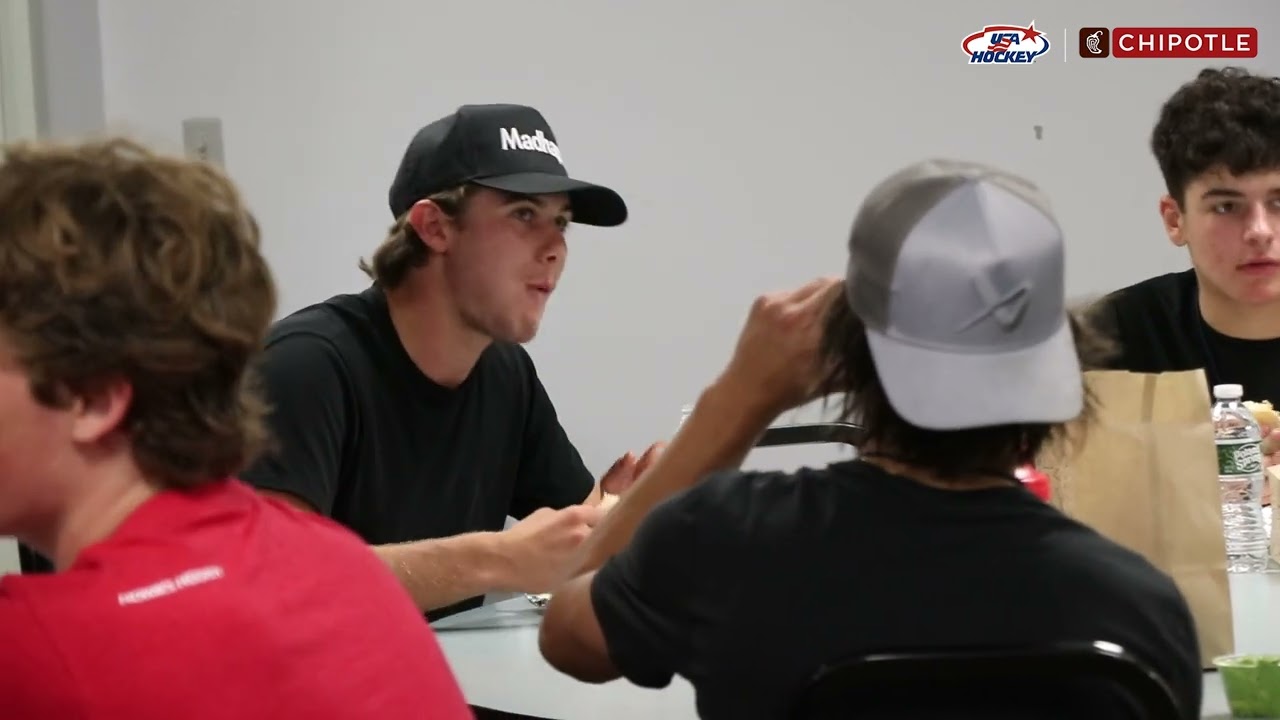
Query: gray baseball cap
pixel 956 270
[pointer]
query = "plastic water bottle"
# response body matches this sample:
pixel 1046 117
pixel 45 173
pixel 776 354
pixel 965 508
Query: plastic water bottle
pixel 1240 480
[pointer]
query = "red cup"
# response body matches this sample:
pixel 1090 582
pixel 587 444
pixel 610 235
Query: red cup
pixel 1035 481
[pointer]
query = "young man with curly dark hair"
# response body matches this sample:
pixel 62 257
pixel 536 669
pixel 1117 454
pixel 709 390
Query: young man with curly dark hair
pixel 950 343
pixel 135 298
pixel 1217 142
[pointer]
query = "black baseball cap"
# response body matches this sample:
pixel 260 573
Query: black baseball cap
pixel 501 146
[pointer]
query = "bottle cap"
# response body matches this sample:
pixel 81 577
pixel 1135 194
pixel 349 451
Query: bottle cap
pixel 1228 392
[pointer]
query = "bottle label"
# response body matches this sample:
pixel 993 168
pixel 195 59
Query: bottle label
pixel 1239 457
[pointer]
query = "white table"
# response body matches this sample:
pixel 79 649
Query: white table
pixel 1255 607
pixel 493 651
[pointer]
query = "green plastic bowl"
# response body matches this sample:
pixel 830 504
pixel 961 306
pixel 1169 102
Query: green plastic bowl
pixel 1252 683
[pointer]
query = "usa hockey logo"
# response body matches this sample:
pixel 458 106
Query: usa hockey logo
pixel 1005 45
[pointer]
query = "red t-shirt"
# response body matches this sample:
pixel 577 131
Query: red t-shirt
pixel 220 603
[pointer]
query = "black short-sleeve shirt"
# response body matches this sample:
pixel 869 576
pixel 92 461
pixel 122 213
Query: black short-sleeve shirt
pixel 750 581
pixel 1157 327
pixel 369 440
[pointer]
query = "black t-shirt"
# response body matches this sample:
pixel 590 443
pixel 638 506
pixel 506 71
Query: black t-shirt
pixel 748 582
pixel 369 440
pixel 1157 327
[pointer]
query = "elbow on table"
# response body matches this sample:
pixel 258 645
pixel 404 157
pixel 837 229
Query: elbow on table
pixel 564 652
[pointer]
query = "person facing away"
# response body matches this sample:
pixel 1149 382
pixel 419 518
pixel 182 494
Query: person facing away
pixel 951 345
pixel 410 412
pixel 1217 142
pixel 134 300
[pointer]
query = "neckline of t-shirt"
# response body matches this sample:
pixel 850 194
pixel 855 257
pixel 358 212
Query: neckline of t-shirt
pixel 171 509
pixel 381 315
pixel 1250 343
pixel 858 466
pixel 1212 333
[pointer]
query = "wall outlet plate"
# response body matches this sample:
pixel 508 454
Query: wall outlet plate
pixel 202 139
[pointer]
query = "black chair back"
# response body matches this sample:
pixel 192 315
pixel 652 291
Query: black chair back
pixel 1066 680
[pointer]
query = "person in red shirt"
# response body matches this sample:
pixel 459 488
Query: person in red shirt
pixel 135 301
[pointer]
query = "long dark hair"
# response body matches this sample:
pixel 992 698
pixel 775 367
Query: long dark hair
pixel 977 451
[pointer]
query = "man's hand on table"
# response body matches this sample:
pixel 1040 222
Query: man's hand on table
pixel 539 549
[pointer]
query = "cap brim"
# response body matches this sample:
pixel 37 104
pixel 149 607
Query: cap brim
pixel 938 390
pixel 592 204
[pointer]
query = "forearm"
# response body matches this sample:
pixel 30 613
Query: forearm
pixel 440 572
pixel 724 426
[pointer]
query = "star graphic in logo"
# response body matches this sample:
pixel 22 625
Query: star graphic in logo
pixel 1029 32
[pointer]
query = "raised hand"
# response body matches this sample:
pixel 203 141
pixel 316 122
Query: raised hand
pixel 777 356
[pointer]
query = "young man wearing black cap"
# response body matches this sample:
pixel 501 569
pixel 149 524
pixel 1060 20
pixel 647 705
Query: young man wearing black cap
pixel 409 411
pixel 950 342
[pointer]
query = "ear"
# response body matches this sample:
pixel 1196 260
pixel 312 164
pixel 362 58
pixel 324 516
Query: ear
pixel 432 225
pixel 101 411
pixel 1171 215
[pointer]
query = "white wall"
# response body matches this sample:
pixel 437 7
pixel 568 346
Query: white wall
pixel 17 122
pixel 8 556
pixel 742 132
pixel 67 44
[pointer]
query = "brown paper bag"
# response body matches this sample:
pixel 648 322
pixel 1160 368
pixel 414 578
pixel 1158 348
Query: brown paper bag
pixel 1143 473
